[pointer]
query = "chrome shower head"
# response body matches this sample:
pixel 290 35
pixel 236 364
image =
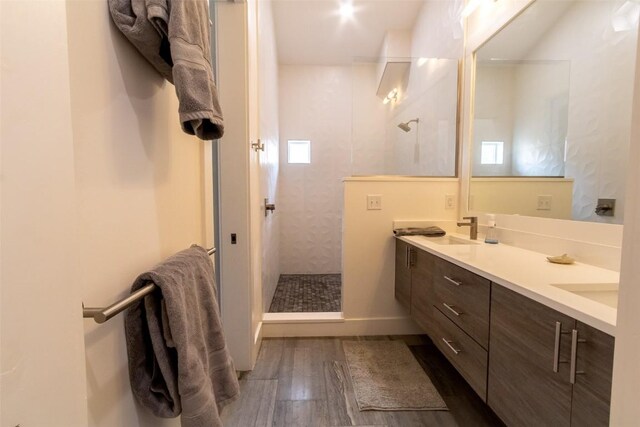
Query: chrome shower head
pixel 405 126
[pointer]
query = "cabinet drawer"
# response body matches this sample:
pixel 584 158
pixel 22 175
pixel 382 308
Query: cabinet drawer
pixel 463 297
pixel 464 353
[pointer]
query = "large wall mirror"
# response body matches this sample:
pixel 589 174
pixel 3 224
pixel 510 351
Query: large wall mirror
pixel 552 112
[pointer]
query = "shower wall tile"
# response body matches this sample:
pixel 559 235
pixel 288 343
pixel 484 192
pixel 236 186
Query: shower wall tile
pixel 316 105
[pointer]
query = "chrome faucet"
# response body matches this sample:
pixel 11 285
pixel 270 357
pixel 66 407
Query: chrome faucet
pixel 473 226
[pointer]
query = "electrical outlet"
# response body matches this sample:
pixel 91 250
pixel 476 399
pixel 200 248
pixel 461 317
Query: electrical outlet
pixel 374 202
pixel 449 201
pixel 544 203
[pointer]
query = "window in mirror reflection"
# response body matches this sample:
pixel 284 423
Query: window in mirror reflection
pixel 492 153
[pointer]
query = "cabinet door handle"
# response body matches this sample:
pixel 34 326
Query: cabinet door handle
pixel 556 347
pixel 451 309
pixel 574 356
pixel 448 343
pixel 450 280
pixel 406 257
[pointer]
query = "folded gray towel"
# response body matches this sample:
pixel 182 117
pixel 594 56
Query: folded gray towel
pixel 178 359
pixel 174 36
pixel 423 231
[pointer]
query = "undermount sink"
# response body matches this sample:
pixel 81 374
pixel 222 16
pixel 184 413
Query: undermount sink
pixel 604 293
pixel 451 240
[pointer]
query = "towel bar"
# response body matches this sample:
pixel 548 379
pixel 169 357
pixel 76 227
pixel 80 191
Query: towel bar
pixel 102 314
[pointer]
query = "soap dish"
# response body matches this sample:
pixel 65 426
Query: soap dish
pixel 562 259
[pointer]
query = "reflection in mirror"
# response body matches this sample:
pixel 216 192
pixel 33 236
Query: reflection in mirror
pixel 552 111
pixel 411 127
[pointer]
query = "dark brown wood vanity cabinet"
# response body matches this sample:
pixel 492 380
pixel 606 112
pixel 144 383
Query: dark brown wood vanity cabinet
pixel 404 253
pixel 451 305
pixel 545 368
pixel 422 297
pixel 461 321
pixel 533 365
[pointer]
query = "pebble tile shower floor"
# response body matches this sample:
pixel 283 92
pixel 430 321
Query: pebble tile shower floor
pixel 307 293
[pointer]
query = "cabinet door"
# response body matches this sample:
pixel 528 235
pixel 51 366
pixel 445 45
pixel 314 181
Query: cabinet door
pixel 422 290
pixel 523 388
pixel 403 273
pixel 594 367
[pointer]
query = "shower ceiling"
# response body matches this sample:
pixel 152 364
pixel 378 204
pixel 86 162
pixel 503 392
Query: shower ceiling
pixel 313 31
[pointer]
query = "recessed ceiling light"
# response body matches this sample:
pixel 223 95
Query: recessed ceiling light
pixel 346 10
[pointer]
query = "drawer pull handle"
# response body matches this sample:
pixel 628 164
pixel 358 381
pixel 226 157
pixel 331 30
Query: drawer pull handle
pixel 574 356
pixel 451 309
pixel 450 280
pixel 448 343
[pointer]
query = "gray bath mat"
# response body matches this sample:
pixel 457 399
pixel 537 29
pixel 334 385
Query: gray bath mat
pixel 386 377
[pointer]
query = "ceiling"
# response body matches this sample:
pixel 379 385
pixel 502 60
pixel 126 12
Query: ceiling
pixel 314 32
pixel 516 40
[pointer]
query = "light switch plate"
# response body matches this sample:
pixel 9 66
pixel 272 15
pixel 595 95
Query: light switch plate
pixel 449 201
pixel 374 202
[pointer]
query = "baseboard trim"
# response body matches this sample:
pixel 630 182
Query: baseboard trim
pixel 316 317
pixel 348 327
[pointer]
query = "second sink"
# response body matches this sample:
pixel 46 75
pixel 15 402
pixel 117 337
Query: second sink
pixel 604 293
pixel 451 240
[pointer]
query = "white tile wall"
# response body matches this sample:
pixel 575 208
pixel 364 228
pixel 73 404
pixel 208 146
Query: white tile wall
pixel 315 104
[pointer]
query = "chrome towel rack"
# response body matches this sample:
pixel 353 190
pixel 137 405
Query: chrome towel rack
pixel 102 314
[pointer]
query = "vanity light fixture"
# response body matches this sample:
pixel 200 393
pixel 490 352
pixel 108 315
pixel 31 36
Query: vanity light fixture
pixel 391 96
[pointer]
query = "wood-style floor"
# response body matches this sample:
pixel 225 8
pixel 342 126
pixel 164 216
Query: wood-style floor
pixel 304 382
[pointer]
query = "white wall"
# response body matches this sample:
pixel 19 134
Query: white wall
pixel 370 154
pixel 139 185
pixel 431 96
pixel 625 410
pixel 541 95
pixel 428 149
pixel 599 113
pixel 269 160
pixel 315 104
pixel 369 245
pixel 438 31
pixel 41 346
pixel 520 196
pixel 107 186
pixel 369 305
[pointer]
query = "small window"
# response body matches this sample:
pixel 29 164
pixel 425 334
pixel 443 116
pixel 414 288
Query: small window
pixel 492 153
pixel 299 151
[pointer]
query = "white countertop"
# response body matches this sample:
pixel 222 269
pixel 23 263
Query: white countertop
pixel 530 274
